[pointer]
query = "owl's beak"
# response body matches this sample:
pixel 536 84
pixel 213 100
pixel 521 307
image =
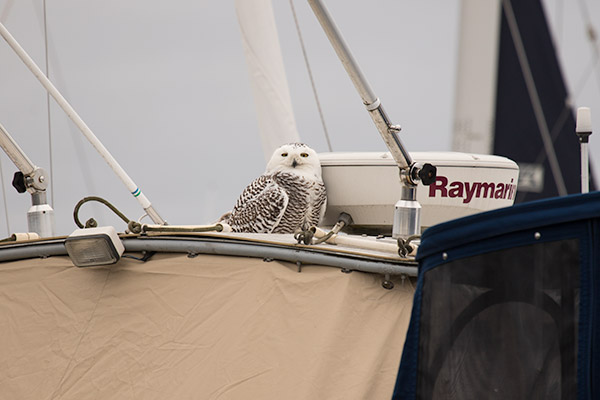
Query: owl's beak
pixel 294 163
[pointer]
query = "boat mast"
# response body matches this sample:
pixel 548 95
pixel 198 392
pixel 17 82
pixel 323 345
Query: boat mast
pixel 407 210
pixel 87 132
pixel 476 75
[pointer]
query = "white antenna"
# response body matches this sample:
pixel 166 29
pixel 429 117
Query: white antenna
pixel 87 132
pixel 583 129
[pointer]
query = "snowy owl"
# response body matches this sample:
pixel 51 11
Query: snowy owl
pixel 290 195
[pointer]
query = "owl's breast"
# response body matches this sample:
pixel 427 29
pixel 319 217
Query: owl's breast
pixel 306 200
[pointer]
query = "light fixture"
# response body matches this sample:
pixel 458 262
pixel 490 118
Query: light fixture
pixel 94 246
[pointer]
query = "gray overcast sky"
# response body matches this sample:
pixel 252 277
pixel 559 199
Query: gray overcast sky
pixel 164 86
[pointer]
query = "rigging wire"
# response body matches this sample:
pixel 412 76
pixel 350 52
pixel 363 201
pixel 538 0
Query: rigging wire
pixel 534 98
pixel 310 75
pixel 583 79
pixel 83 162
pixel 3 15
pixel 567 108
pixel 48 107
pixel 4 199
pixel 581 82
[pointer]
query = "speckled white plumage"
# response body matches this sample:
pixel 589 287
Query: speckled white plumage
pixel 290 195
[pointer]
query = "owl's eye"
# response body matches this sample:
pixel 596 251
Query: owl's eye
pixel 303 154
pixel 284 154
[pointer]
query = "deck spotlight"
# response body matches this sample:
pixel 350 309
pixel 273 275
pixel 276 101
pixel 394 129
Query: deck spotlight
pixel 94 246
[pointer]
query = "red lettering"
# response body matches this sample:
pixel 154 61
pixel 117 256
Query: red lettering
pixel 440 184
pixel 499 191
pixel 456 189
pixel 470 190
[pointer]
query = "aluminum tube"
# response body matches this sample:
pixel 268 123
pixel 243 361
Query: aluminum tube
pixel 40 219
pixel 37 250
pixel 14 152
pixel 359 242
pixel 390 137
pixel 264 251
pixel 407 214
pixel 87 132
pixel 302 255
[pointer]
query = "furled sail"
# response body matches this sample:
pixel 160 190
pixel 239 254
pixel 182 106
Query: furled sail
pixel 276 120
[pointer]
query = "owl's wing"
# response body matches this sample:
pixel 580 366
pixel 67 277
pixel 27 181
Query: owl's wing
pixel 321 203
pixel 260 206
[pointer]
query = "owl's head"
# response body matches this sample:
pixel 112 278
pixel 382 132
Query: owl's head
pixel 295 158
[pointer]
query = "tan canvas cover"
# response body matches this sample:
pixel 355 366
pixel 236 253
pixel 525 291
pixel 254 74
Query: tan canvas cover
pixel 210 327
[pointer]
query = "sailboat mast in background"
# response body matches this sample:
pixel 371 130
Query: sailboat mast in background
pixel 476 77
pixel 511 98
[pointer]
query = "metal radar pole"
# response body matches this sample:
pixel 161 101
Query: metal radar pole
pixel 33 179
pixel 407 212
pixel 583 129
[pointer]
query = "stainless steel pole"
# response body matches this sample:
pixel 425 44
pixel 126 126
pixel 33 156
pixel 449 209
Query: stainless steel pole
pixel 14 152
pixel 407 211
pixel 40 217
pixel 388 131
